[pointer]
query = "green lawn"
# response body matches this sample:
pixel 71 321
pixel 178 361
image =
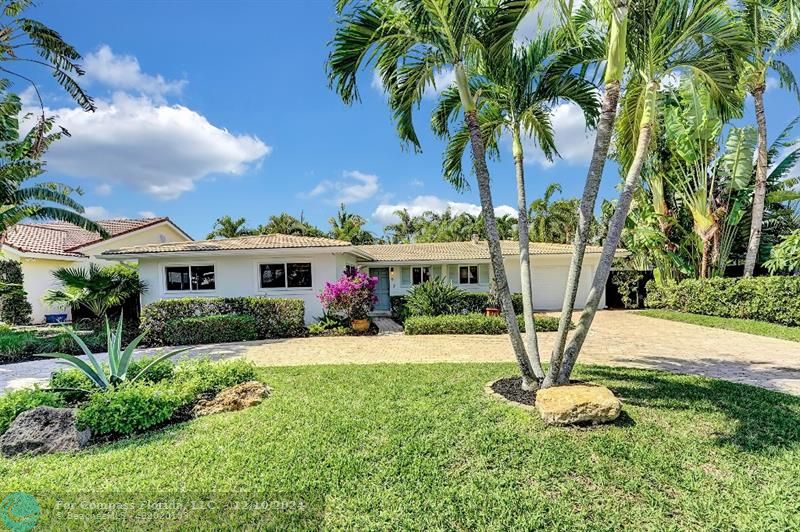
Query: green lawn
pixel 760 328
pixel 422 447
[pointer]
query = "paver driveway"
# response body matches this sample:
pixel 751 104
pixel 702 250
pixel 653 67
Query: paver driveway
pixel 617 338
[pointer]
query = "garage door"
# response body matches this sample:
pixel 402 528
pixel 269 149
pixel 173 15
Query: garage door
pixel 549 283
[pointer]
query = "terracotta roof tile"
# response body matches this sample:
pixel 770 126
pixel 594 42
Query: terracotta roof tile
pixel 61 238
pixel 271 241
pixel 440 251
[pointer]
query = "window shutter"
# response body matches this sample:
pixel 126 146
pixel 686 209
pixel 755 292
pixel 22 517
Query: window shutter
pixel 405 275
pixel 483 273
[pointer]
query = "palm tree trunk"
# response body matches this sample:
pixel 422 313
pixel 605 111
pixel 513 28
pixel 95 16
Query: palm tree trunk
pixel 704 259
pixel 605 129
pixel 526 276
pixel 495 252
pixel 761 185
pixel 606 258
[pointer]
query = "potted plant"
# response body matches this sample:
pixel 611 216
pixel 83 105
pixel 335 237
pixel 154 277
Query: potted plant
pixel 492 302
pixel 352 296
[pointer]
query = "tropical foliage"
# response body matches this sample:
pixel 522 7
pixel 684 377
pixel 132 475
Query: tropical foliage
pixel 351 296
pixel 96 288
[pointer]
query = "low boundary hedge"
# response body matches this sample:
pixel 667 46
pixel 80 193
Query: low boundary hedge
pixel 274 318
pixel 471 324
pixel 472 303
pixel 770 299
pixel 218 328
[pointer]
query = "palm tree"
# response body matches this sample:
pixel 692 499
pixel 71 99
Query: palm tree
pixel 20 162
pixel 348 226
pixel 616 13
pixel 404 230
pixel 408 42
pixel 227 227
pixel 286 224
pixel 772 29
pixel 665 37
pixel 540 216
pixel 517 92
pixel 96 288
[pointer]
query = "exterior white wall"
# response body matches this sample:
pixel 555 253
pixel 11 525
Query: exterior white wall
pixel 549 279
pixel 238 276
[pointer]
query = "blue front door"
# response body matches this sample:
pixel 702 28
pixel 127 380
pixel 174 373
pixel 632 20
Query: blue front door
pixel 382 289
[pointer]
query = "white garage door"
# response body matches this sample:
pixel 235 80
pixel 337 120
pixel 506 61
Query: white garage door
pixel 549 283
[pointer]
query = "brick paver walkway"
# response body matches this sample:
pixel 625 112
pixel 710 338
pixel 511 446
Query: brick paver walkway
pixel 617 338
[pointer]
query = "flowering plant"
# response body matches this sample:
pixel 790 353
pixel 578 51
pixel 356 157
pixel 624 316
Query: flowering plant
pixel 352 295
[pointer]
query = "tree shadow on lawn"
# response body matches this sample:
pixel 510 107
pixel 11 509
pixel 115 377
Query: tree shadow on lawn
pixel 765 421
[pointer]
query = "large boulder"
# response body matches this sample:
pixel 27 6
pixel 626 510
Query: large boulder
pixel 578 403
pixel 237 397
pixel 44 429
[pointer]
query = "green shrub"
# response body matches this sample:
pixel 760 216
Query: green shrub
pixel 212 329
pixel 14 306
pixel 130 408
pixel 434 298
pixel 275 318
pixel 158 372
pixel 14 403
pixel 471 324
pixel 204 376
pixel 770 299
pixel 16 345
pixel 74 378
pixel 470 303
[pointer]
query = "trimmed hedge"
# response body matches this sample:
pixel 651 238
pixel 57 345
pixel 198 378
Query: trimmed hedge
pixel 218 328
pixel 770 299
pixel 274 318
pixel 471 324
pixel 471 303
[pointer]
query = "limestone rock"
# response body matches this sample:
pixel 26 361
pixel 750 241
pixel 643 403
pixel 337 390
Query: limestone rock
pixel 44 429
pixel 578 403
pixel 237 397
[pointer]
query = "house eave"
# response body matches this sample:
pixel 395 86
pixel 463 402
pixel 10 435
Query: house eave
pixel 236 252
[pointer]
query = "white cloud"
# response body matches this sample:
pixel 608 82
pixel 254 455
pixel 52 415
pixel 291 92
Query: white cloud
pixel 385 213
pixel 442 79
pixel 103 189
pixel 574 142
pixel 772 83
pixel 354 187
pixel 96 212
pixel 159 149
pixel 122 72
pixel 148 214
pixel 417 183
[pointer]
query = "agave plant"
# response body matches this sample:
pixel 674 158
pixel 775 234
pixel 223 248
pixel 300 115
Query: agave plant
pixel 119 359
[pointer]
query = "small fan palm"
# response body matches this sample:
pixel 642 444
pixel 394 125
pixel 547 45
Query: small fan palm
pixel 96 288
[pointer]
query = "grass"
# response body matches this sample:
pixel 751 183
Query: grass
pixel 422 447
pixel 760 328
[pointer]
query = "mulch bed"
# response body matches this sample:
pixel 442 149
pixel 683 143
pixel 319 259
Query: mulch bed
pixel 511 389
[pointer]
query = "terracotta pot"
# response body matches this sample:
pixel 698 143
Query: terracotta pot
pixel 492 311
pixel 360 325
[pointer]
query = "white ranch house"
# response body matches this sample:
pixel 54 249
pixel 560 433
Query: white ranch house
pixel 298 267
pixel 42 248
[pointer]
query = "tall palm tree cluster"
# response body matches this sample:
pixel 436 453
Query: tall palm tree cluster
pixel 659 81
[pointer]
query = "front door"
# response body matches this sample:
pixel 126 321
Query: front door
pixel 382 288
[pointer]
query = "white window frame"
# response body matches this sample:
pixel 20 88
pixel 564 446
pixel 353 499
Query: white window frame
pixel 285 287
pixel 189 265
pixel 477 274
pixel 421 274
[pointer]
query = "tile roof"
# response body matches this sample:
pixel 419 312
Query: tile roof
pixel 61 238
pixel 440 251
pixel 271 241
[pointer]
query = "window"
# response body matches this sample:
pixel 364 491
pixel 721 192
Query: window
pixel 185 278
pixel 420 274
pixel 285 275
pixel 468 275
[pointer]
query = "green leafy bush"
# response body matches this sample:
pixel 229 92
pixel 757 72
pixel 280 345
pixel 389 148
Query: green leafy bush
pixel 470 303
pixel 14 403
pixel 204 376
pixel 275 318
pixel 14 306
pixel 76 379
pixel 434 298
pixel 130 408
pixel 218 328
pixel 770 299
pixel 471 324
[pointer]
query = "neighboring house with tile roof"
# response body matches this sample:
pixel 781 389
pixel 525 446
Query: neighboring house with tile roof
pixel 43 247
pixel 298 267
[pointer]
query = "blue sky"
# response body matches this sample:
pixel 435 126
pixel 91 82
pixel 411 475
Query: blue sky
pixel 213 108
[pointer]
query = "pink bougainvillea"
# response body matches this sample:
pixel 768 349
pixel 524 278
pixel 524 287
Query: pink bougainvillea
pixel 352 295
